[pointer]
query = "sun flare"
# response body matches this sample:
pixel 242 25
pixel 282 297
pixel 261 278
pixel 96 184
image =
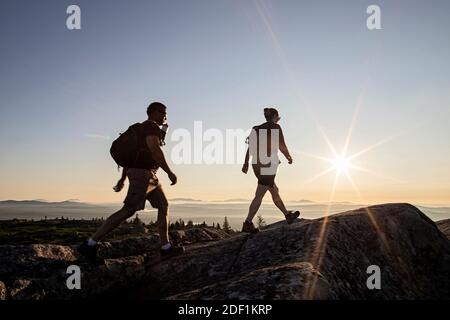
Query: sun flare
pixel 341 163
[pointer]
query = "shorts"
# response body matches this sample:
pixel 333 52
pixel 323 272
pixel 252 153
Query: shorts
pixel 265 174
pixel 144 185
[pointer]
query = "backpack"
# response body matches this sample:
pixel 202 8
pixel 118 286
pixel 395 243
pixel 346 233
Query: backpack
pixel 125 149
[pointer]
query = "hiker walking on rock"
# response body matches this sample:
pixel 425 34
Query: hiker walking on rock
pixel 138 151
pixel 264 142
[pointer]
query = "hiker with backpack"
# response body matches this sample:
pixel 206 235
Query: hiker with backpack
pixel 264 142
pixel 138 151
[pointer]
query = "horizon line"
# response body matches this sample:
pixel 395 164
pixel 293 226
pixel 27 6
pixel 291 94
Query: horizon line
pixel 181 199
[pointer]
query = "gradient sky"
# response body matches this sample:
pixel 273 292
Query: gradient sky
pixel 64 92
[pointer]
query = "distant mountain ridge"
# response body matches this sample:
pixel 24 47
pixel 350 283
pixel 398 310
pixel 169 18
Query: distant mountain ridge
pixel 185 199
pixel 69 203
pixel 185 208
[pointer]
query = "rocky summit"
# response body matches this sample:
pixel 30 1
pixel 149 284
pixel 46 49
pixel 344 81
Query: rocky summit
pixel 327 258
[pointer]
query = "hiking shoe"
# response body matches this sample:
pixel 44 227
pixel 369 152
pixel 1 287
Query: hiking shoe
pixel 87 251
pixel 249 227
pixel 291 216
pixel 171 252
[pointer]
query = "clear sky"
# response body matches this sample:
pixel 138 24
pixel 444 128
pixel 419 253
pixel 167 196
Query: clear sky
pixel 63 93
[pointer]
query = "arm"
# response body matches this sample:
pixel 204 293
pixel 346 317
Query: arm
pixel 247 158
pixel 153 143
pixel 118 187
pixel 124 174
pixel 250 139
pixel 283 148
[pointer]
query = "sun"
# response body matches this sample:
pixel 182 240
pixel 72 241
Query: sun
pixel 341 163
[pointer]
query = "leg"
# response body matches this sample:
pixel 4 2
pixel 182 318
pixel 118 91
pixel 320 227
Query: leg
pixel 159 201
pixel 163 224
pixel 275 192
pixel 256 202
pixel 112 222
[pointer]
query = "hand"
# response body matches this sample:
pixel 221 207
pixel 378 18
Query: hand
pixel 172 177
pixel 245 168
pixel 119 186
pixel 289 158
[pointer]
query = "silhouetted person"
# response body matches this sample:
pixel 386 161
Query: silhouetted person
pixel 265 141
pixel 143 185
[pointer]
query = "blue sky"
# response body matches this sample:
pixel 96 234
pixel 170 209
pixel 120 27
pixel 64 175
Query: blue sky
pixel 222 62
